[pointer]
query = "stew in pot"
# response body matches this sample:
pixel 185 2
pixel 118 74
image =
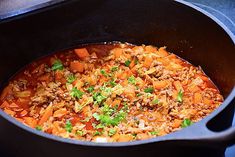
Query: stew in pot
pixel 110 92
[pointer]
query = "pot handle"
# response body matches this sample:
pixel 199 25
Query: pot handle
pixel 203 132
pixel 224 137
pixel 227 137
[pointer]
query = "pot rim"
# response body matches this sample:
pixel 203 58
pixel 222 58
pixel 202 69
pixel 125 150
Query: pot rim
pixel 168 137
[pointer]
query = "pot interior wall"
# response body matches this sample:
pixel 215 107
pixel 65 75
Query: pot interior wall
pixel 183 30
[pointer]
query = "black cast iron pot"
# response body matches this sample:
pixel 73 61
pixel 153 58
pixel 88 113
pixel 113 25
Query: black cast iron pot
pixel 186 31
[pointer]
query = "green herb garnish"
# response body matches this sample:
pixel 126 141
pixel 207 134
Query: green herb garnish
pixel 76 93
pixel 99 126
pixel 39 128
pixel 112 132
pixel 186 123
pixel 108 110
pixel 106 91
pixel 90 89
pixel 139 94
pixel 103 72
pixel 136 61
pixel 112 83
pixel 125 107
pixel 155 101
pixel 96 133
pixel 96 116
pixel 134 135
pixel 71 78
pixel 132 80
pixel 108 119
pixel 80 132
pixel 154 132
pixel 115 68
pixel 57 65
pixel 149 90
pixel 98 98
pixel 127 63
pixel 180 96
pixel 68 126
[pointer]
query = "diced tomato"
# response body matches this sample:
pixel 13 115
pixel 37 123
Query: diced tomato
pixel 150 49
pixel 76 66
pixel 148 61
pixel 162 52
pixel 160 84
pixel 4 104
pixel 82 53
pixel 89 124
pixel 117 52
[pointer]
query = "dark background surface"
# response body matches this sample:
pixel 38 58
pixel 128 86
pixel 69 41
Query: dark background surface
pixel 224 10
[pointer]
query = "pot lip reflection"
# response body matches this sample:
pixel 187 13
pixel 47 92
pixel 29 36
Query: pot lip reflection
pixel 215 19
pixel 169 137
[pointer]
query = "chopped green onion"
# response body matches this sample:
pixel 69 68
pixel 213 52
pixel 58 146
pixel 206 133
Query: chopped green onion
pixel 68 126
pixel 96 116
pixel 108 110
pixel 107 119
pixel 139 94
pixel 39 128
pixel 80 132
pixel 76 93
pixel 155 101
pixel 98 98
pixel 103 72
pixel 71 78
pixel 115 68
pixel 99 126
pixel 57 65
pixel 90 89
pixel 112 132
pixel 96 133
pixel 127 63
pixel 136 61
pixel 134 135
pixel 154 132
pixel 186 123
pixel 113 83
pixel 180 96
pixel 125 108
pixel 132 80
pixel 149 90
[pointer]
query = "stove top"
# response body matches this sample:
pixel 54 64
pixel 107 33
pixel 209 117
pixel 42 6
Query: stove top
pixel 223 10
